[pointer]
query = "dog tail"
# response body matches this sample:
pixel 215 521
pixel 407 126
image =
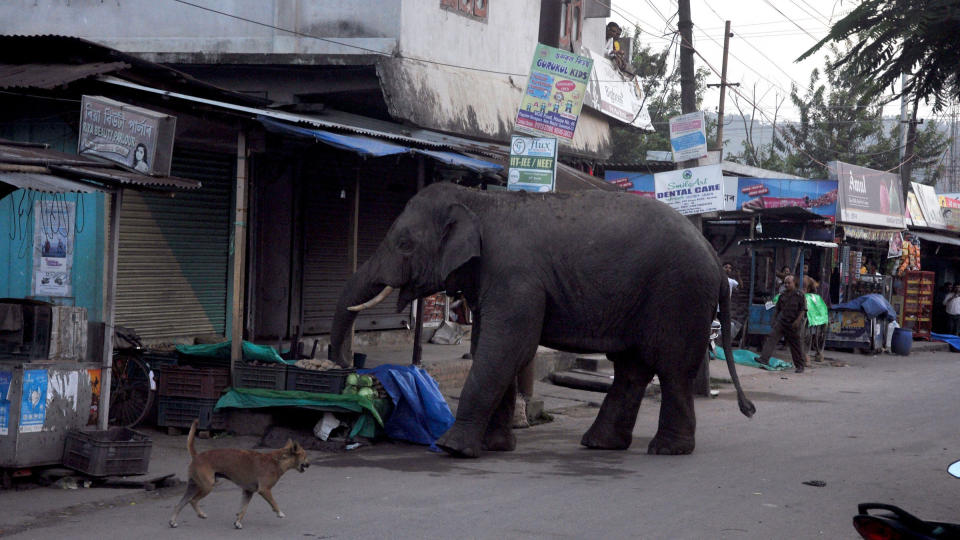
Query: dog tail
pixel 193 433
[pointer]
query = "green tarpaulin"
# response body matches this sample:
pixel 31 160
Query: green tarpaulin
pixel 260 353
pixel 749 358
pixel 371 410
pixel 816 309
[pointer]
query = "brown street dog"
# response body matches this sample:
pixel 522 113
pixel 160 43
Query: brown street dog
pixel 254 472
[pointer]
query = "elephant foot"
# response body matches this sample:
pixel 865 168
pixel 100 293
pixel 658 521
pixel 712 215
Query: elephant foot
pixel 457 443
pixel 606 437
pixel 500 441
pixel 662 446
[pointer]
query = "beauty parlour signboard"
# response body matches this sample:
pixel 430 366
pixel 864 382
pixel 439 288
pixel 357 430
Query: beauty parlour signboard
pixel 134 137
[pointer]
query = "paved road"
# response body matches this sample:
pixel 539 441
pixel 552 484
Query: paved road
pixel 878 429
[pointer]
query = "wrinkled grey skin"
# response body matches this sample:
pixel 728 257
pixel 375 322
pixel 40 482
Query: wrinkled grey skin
pixel 590 272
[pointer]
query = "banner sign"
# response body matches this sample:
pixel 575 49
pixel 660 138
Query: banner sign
pixel 5 378
pixel 950 209
pixel 868 196
pixel 691 191
pixel 134 137
pixel 688 136
pixel 817 196
pixel 929 204
pixel 53 244
pixel 632 182
pixel 914 215
pixel 554 96
pixel 533 164
pixel 616 94
pixel 33 400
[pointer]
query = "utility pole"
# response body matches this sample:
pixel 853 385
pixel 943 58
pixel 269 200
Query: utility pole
pixel 727 34
pixel 688 81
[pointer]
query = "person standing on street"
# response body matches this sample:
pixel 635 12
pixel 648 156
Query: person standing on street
pixel 952 303
pixel 789 316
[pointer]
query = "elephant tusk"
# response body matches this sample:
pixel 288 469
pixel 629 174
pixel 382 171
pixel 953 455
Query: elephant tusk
pixel 373 301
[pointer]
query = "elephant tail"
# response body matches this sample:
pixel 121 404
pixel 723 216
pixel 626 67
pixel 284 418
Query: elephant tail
pixel 746 406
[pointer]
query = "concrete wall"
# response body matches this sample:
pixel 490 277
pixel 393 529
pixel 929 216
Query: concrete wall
pixel 170 31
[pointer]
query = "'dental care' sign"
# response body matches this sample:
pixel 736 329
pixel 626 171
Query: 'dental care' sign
pixel 691 191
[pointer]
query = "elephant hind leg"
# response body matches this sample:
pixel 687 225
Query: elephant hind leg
pixel 613 427
pixel 675 434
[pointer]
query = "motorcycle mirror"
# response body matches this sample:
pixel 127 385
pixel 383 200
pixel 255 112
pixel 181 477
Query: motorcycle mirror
pixel 954 469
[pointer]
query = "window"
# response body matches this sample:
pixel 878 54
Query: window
pixel 475 9
pixel 561 24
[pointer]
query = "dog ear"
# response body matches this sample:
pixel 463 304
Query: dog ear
pixel 296 448
pixel 289 444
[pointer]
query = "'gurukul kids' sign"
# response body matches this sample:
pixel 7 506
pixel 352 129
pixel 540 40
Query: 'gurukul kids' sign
pixel 554 96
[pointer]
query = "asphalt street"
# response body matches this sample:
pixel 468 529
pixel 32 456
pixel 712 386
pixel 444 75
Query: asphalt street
pixel 859 428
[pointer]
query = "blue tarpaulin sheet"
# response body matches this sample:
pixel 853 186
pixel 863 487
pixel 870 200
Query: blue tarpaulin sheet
pixel 953 340
pixel 365 146
pixel 749 358
pixel 452 158
pixel 420 414
pixel 873 305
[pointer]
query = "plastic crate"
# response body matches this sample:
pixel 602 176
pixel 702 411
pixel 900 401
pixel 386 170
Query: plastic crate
pixel 181 412
pixel 115 452
pixel 268 377
pixel 185 381
pixel 330 381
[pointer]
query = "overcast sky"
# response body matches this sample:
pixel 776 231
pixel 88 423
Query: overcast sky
pixel 769 35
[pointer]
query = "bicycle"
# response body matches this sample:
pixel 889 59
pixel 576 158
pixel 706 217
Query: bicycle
pixel 132 386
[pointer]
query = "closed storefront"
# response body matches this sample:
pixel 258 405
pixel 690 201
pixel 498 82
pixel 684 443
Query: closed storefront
pixel 174 252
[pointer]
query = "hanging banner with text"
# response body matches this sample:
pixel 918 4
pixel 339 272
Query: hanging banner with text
pixel 929 205
pixel 950 210
pixel 868 196
pixel 691 191
pixel 688 136
pixel 533 164
pixel 554 96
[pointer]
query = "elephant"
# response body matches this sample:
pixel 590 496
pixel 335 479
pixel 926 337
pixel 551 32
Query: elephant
pixel 584 272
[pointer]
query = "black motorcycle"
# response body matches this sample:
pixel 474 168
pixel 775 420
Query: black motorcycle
pixel 876 521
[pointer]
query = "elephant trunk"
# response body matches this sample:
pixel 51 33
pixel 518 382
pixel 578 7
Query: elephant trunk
pixel 359 289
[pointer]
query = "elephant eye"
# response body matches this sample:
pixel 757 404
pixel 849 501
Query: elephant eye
pixel 405 245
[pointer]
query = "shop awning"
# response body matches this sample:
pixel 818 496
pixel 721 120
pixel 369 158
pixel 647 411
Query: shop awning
pixel 870 234
pixel 365 146
pixel 763 242
pixel 938 238
pixel 12 181
pixel 371 147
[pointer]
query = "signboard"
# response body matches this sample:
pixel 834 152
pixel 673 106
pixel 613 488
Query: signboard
pixel 691 191
pixel 33 401
pixel 5 378
pixel 914 214
pixel 730 184
pixel 632 182
pixel 688 136
pixel 533 164
pixel 554 96
pixel 950 209
pixel 616 94
pixel 137 138
pixel 817 196
pixel 53 243
pixel 868 196
pixel 929 204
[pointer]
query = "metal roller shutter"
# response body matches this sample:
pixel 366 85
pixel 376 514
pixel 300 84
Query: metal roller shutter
pixel 326 258
pixel 174 252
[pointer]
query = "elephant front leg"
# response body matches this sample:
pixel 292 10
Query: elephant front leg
pixel 511 333
pixel 613 427
pixel 675 434
pixel 499 435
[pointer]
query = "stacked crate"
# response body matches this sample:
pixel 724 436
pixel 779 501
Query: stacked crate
pixel 186 393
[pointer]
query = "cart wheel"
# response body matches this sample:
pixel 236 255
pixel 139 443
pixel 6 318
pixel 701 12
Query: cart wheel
pixel 131 395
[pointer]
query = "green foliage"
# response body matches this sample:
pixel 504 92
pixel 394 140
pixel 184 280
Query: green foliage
pixel 917 37
pixel 662 91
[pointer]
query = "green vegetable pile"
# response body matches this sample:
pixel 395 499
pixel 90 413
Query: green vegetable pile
pixel 364 385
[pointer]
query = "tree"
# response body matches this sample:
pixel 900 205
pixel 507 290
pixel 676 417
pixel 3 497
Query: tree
pixel 892 37
pixel 757 154
pixel 662 91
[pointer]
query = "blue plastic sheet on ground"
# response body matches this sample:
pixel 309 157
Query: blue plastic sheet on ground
pixel 953 340
pixel 251 351
pixel 874 305
pixel 420 414
pixel 749 358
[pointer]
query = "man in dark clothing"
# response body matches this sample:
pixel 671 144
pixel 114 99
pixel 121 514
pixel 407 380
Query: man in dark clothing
pixel 788 319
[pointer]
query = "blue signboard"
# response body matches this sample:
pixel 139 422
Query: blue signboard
pixel 634 182
pixel 817 196
pixel 5 378
pixel 33 401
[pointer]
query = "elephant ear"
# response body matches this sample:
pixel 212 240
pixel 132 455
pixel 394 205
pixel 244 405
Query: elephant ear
pixel 460 240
